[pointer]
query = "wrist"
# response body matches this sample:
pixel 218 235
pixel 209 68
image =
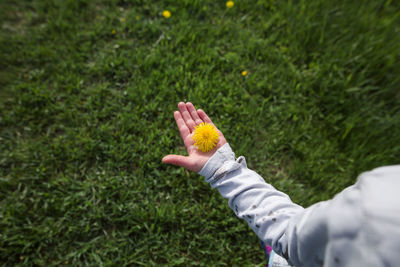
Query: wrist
pixel 222 155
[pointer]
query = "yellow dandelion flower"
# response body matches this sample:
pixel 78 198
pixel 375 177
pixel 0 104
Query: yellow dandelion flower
pixel 229 4
pixel 166 14
pixel 244 73
pixel 123 19
pixel 205 137
pixel 113 32
pixel 137 17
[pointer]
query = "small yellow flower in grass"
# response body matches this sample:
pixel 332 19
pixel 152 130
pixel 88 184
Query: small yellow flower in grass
pixel 244 73
pixel 113 32
pixel 205 137
pixel 229 4
pixel 166 14
pixel 123 19
pixel 137 17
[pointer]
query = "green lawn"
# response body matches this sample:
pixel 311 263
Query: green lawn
pixel 87 94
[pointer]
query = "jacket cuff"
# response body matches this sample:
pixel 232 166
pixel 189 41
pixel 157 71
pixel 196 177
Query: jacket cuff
pixel 222 155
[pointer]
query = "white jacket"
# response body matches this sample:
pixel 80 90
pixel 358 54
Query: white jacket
pixel 358 227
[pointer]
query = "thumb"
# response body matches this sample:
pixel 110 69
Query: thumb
pixel 179 160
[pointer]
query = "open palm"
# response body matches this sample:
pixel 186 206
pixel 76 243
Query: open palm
pixel 186 119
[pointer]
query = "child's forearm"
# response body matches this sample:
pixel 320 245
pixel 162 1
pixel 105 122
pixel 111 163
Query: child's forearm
pixel 266 210
pixel 329 233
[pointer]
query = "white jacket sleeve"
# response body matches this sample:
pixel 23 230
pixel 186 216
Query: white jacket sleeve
pixel 321 235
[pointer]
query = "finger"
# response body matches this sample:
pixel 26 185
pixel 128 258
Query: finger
pixel 204 116
pixel 178 160
pixel 183 129
pixel 186 116
pixel 193 113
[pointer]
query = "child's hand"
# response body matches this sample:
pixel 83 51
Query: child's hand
pixel 186 118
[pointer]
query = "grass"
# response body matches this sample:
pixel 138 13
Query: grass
pixel 88 89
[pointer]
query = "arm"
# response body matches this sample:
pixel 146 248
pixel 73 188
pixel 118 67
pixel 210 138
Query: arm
pixel 358 227
pixel 270 213
pixel 293 232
